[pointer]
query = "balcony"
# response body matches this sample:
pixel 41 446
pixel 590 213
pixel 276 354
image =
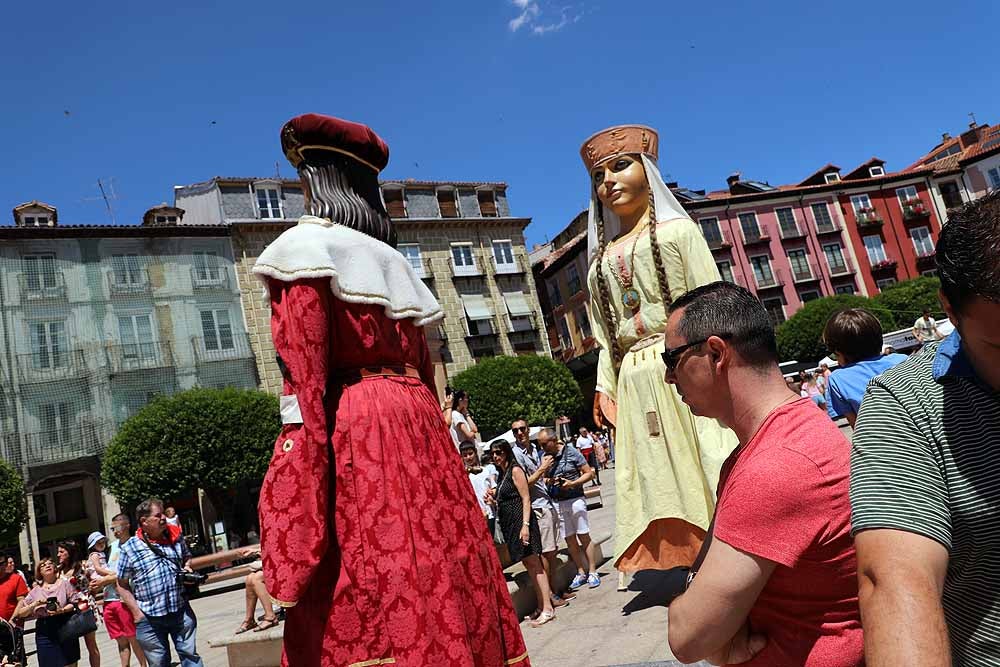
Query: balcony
pixel 794 231
pixel 841 268
pixel 51 365
pixel 465 270
pixel 509 268
pixel 42 287
pixel 927 258
pixel 88 437
pixel 885 265
pixel 521 324
pixel 422 267
pixel 209 279
pixel 770 281
pixel 804 274
pixel 833 227
pixel 759 235
pixel 133 283
pixel 721 241
pixel 914 209
pixel 132 357
pixel 224 346
pixel 868 218
pixel 481 328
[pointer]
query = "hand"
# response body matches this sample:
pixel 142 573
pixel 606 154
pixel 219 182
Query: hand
pixel 96 587
pixel 546 463
pixel 525 535
pixel 138 616
pixel 605 411
pixel 741 648
pixel 249 551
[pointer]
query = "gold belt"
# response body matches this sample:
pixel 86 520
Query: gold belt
pixel 648 341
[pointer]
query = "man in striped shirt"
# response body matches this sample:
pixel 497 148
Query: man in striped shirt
pixel 925 485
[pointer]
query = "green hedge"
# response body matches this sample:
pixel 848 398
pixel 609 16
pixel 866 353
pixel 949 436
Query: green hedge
pixel 13 503
pixel 799 338
pixel 907 300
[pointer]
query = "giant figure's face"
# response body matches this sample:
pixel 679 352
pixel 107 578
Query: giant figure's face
pixel 621 185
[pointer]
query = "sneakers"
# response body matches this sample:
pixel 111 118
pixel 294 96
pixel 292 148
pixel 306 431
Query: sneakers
pixel 593 581
pixel 579 580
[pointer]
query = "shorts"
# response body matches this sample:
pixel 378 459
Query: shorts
pixel 118 620
pixel 818 400
pixel 573 517
pixel 548 526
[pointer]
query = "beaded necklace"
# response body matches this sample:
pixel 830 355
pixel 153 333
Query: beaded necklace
pixel 624 275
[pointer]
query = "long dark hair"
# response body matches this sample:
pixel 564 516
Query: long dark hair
pixel 508 453
pixel 346 192
pixel 457 397
pixel 74 556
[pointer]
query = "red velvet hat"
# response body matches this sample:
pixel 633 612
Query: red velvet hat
pixel 315 132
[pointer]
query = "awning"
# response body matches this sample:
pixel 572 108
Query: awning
pixel 476 307
pixel 517 304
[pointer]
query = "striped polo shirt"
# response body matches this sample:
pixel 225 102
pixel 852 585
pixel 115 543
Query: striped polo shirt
pixel 925 460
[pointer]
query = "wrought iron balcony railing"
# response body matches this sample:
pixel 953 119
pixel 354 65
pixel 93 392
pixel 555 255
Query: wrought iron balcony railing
pixel 42 287
pixel 129 357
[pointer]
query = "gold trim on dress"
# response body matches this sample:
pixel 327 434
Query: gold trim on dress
pixel 523 656
pixel 282 603
pixel 376 661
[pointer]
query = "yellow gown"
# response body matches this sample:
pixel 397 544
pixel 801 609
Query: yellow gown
pixel 667 460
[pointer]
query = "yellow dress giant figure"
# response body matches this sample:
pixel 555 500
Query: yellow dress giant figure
pixel 646 251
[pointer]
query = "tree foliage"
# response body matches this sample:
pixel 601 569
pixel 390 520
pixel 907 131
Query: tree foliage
pixel 212 439
pixel 799 338
pixel 13 503
pixel 533 388
pixel 907 300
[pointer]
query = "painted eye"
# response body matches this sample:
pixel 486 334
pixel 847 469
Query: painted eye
pixel 623 163
pixel 598 176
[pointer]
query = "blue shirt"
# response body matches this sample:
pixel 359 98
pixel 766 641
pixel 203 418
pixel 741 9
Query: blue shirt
pixel 154 579
pixel 846 386
pixel 530 460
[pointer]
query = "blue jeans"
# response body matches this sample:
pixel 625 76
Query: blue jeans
pixel 152 633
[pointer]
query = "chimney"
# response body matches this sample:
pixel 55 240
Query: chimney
pixel 945 137
pixel 973 125
pixel 733 179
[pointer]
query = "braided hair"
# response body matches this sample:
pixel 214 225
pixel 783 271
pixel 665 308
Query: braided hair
pixel 661 271
pixel 604 292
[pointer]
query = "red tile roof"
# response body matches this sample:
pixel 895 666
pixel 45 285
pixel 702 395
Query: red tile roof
pixel 555 255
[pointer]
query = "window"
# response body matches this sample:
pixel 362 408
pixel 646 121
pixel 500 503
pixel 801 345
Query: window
pixel 39 271
pixel 56 422
pixel 800 263
pixel 875 249
pixel 831 177
pixel 36 221
pixel 726 271
pixel 710 230
pixel 922 242
pixel 748 223
pixel 411 251
pixel 162 219
pixel 268 202
pixel 582 322
pixel 951 194
pixel 481 328
pixel 844 289
pixel 835 257
pixel 503 254
pixel 48 345
pixel 906 194
pixel 217 330
pixel 861 203
pixel 69 504
pixel 809 295
pixel 822 214
pixel 395 203
pixel 762 270
pixel 555 295
pixel 206 266
pixel 573 279
pixel 136 333
pixel 786 222
pixel 876 170
pixel 884 283
pixel 994 175
pixel 564 338
pixel 487 203
pixel 929 273
pixel 775 310
pixel 127 270
pixel 447 203
pixel 462 259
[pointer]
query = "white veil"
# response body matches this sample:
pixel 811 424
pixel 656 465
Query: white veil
pixel 667 208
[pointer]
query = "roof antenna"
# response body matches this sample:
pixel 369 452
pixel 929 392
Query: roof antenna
pixel 277 170
pixel 108 199
pixel 973 117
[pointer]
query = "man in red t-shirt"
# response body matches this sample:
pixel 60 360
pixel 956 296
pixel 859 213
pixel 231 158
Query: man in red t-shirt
pixel 12 587
pixel 776 582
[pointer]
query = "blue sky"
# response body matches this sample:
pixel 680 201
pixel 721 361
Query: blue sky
pixel 158 94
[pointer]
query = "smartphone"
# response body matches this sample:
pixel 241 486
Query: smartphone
pixel 52 604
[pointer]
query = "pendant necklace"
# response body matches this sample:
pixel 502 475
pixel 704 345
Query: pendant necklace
pixel 624 277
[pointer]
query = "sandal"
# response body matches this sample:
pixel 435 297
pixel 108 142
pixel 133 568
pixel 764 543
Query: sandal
pixel 267 625
pixel 544 618
pixel 246 626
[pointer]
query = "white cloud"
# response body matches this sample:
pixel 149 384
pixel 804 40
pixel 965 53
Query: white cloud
pixel 541 20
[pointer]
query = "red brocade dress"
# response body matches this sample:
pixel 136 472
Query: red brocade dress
pixel 371 535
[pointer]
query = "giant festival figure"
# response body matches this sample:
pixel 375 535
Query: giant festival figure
pixel 377 562
pixel 645 251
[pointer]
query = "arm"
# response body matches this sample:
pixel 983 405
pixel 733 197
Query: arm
pixel 128 599
pixel 587 474
pixel 705 620
pixel 543 468
pixel 521 484
pixel 466 432
pixel 607 375
pixel 900 581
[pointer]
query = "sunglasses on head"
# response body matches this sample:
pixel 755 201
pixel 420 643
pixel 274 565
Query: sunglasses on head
pixel 672 355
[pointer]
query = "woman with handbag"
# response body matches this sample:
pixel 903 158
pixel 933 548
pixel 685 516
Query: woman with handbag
pixel 49 602
pixel 71 569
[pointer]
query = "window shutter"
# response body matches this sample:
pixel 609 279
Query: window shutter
pixel 487 204
pixel 394 203
pixel 446 201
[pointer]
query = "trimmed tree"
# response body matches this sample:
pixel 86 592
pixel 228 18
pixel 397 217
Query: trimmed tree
pixel 213 439
pixel 533 388
pixel 13 503
pixel 799 338
pixel 907 300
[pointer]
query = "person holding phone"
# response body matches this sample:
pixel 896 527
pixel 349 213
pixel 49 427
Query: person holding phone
pixel 49 603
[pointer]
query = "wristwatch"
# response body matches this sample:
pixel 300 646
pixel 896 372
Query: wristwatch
pixel 527 524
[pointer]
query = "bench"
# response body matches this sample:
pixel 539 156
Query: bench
pixel 252 649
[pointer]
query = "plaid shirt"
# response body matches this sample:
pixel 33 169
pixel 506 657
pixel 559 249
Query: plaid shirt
pixel 154 579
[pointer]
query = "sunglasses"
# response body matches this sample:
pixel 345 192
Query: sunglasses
pixel 520 429
pixel 672 355
pixel 496 452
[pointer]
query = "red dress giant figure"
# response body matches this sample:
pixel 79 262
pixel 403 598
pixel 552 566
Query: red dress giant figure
pixel 371 535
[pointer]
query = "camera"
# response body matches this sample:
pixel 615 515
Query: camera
pixel 191 578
